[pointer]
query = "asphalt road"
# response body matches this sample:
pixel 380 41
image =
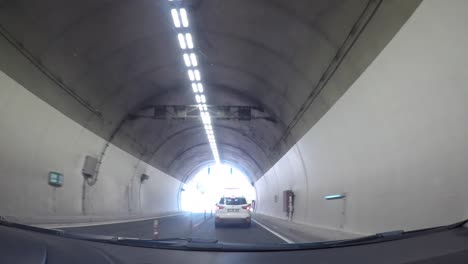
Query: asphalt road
pixel 169 227
pixel 255 234
pixel 180 226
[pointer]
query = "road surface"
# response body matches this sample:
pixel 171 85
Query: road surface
pixel 188 225
pixel 255 234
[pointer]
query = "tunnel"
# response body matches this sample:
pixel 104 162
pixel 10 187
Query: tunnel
pixel 347 117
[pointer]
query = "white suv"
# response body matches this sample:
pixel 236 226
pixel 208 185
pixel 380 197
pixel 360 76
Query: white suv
pixel 232 210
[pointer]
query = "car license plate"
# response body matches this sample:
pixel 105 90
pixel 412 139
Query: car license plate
pixel 233 210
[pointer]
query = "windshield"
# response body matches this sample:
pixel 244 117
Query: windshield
pixel 235 121
pixel 232 201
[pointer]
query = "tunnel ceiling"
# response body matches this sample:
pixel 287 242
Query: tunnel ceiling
pixel 109 59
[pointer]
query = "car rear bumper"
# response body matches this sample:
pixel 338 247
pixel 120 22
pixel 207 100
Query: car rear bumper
pixel 233 219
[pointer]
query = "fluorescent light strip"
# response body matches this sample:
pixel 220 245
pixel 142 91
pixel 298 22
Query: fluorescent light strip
pixel 181 39
pixel 183 17
pixel 180 19
pixel 200 87
pixel 187 60
pixel 197 75
pixel 175 18
pixel 206 120
pixel 188 39
pixel 191 75
pixel 193 59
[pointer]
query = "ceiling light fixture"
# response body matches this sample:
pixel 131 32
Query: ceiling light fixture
pixel 181 39
pixel 188 39
pixel 191 75
pixel 193 59
pixel 197 75
pixel 181 21
pixel 187 60
pixel 183 16
pixel 175 18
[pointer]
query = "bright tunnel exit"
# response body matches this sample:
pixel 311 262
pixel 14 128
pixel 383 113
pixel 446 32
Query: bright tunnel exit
pixel 211 183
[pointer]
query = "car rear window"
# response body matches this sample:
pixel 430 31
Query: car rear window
pixel 233 201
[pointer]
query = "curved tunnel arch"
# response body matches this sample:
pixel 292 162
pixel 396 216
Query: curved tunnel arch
pixel 245 145
pixel 180 88
pixel 174 136
pixel 252 42
pixel 243 98
pixel 263 47
pixel 200 150
pixel 193 147
pixel 123 87
pixel 164 35
pixel 123 98
pixel 255 76
pixel 259 46
pixel 189 176
pixel 104 8
pixel 222 145
pixel 98 12
pixel 182 133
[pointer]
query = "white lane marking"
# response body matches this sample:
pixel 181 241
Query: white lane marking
pixel 57 226
pixel 273 232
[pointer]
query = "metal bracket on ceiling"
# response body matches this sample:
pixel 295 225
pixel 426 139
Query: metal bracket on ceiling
pixel 188 112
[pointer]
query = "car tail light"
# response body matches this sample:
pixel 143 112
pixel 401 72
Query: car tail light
pixel 218 207
pixel 246 207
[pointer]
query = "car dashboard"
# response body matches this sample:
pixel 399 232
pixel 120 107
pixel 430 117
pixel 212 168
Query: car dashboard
pixel 32 245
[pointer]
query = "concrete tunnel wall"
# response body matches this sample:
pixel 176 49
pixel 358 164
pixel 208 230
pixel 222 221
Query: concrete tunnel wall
pixel 35 138
pixel 396 142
